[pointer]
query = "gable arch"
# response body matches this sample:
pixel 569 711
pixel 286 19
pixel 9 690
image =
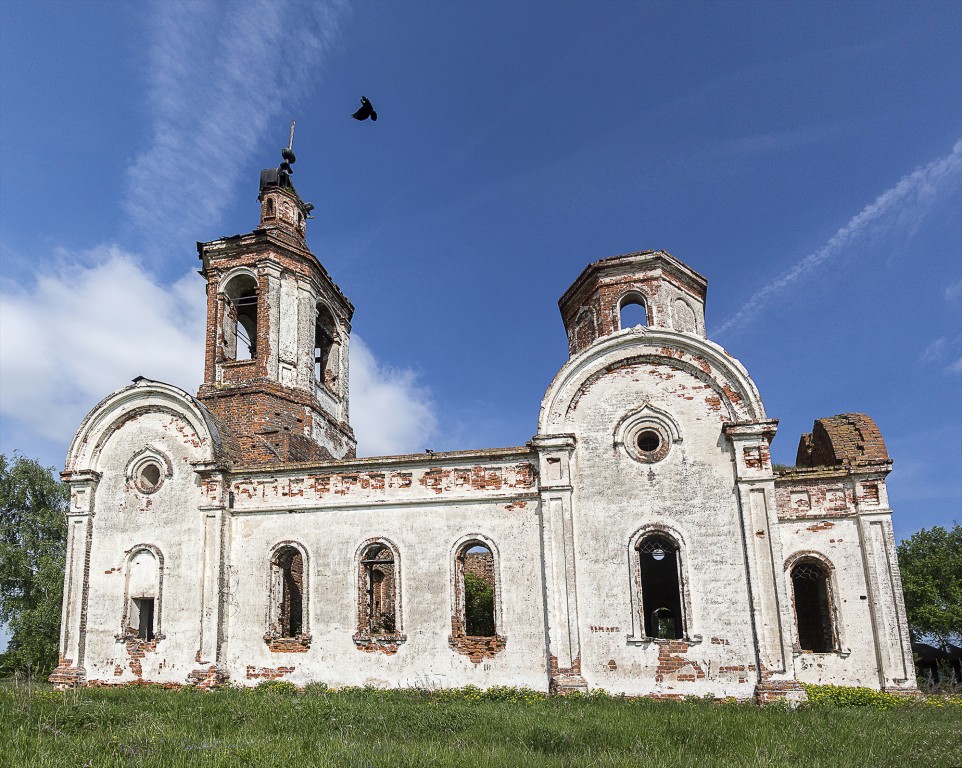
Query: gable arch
pixel 702 358
pixel 143 396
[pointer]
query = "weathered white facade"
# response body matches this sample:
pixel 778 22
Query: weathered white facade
pixel 641 542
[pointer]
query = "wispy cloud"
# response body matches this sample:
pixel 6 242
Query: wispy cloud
pixel 218 76
pixel 100 319
pixel 776 141
pixel 904 204
pixel 953 291
pixel 934 350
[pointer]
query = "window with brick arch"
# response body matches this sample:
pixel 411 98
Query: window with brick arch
pixel 287 572
pixel 377 583
pixel 813 606
pixel 239 324
pixel 476 587
pixel 660 581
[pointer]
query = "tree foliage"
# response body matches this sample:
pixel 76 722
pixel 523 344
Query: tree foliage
pixel 33 531
pixel 478 606
pixel 931 565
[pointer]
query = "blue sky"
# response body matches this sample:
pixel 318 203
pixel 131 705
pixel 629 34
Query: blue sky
pixel 804 157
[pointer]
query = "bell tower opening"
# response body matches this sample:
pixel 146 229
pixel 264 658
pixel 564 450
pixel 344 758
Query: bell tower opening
pixel 632 311
pixel 239 324
pixel 326 348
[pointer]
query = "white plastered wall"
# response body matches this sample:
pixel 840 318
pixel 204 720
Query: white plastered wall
pixel 425 527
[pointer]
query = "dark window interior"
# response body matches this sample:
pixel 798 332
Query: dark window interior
pixel 660 588
pixel 145 611
pixel 291 563
pixel 812 607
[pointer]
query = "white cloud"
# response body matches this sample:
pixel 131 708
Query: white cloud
pixel 390 411
pixel 98 320
pixel 953 290
pixel 218 76
pixel 905 204
pixel 89 327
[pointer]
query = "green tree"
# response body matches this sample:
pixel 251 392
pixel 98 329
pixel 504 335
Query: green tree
pixel 931 565
pixel 478 606
pixel 33 531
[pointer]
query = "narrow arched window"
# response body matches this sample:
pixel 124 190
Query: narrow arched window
pixel 239 325
pixel 270 208
pixel 813 607
pixel 378 586
pixel 632 311
pixel 326 348
pixel 660 582
pixel 287 598
pixel 476 584
pixel 143 595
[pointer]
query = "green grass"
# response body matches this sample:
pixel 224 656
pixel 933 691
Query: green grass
pixel 276 726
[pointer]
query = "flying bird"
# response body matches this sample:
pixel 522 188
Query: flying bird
pixel 366 111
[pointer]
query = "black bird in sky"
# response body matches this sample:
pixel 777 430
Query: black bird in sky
pixel 366 111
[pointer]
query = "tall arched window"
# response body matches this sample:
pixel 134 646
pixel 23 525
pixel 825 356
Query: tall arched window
pixel 239 326
pixel 379 624
pixel 632 311
pixel 813 606
pixel 476 629
pixel 142 619
pixel 659 577
pixel 287 593
pixel 477 587
pixel 378 585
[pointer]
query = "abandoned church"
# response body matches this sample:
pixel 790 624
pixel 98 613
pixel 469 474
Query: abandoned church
pixel 641 542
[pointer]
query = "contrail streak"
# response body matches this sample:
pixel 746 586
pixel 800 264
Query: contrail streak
pixel 908 200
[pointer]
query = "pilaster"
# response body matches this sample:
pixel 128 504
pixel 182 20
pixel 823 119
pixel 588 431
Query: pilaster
pixel 893 644
pixel 555 454
pixel 755 488
pixel 73 626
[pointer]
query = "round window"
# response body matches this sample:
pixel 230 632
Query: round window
pixel 648 441
pixel 149 476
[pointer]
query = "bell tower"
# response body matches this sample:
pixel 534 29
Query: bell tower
pixel 278 335
pixel 663 292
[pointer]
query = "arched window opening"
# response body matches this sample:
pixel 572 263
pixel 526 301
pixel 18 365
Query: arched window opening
pixel 813 608
pixel 477 583
pixel 288 598
pixel 378 585
pixel 239 326
pixel 326 348
pixel 660 587
pixel 270 208
pixel 143 591
pixel 633 312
